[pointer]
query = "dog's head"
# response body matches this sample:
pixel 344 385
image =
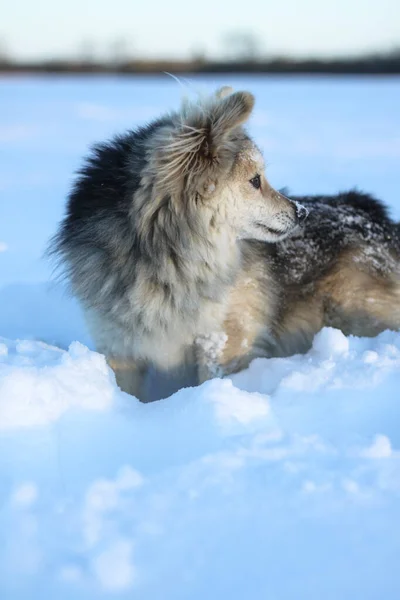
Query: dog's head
pixel 206 162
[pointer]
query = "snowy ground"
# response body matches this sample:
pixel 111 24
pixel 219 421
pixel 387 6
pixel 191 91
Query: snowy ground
pixel 282 482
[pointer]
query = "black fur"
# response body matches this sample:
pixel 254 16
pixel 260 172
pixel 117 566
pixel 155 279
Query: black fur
pixel 336 222
pixel 111 174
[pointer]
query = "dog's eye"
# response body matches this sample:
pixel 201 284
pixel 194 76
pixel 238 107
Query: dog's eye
pixel 256 182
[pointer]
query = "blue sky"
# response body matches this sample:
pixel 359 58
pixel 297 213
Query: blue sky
pixel 179 28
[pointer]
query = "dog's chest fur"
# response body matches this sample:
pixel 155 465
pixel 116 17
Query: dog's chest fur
pixel 159 316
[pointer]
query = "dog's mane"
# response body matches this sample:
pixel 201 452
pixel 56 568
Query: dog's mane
pixel 136 200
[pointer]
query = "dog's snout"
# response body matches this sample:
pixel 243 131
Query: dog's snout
pixel 301 213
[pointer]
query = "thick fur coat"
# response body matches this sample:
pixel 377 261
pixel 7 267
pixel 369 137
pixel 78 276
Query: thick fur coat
pixel 183 256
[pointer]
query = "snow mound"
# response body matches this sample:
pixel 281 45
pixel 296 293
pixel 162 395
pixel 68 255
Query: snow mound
pixel 280 481
pixel 38 383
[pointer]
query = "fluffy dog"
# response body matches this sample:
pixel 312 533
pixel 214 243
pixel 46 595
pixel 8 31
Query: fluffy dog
pixel 182 254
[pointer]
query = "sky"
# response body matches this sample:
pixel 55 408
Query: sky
pixel 183 28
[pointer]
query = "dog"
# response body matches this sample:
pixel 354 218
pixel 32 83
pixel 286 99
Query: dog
pixel 182 255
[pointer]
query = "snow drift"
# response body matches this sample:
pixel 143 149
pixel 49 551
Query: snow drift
pixel 282 478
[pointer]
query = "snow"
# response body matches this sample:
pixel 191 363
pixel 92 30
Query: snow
pixel 217 490
pixel 39 383
pixel 280 482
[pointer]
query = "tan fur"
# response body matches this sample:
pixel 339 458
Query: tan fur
pixel 249 313
pixel 301 320
pixel 359 301
pixel 351 296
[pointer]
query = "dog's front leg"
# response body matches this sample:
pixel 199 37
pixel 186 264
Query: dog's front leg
pixel 209 350
pixel 226 352
pixel 129 375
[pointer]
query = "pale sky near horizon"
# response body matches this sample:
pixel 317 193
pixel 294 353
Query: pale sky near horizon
pixel 179 28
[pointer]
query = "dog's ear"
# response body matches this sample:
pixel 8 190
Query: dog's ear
pixel 200 143
pixel 226 90
pixel 227 114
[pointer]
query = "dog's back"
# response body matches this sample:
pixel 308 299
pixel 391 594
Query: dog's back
pixel 342 269
pixel 336 223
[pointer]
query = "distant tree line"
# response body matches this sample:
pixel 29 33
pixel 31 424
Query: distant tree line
pixel 242 53
pixel 361 66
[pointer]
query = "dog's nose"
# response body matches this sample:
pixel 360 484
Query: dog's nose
pixel 301 213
